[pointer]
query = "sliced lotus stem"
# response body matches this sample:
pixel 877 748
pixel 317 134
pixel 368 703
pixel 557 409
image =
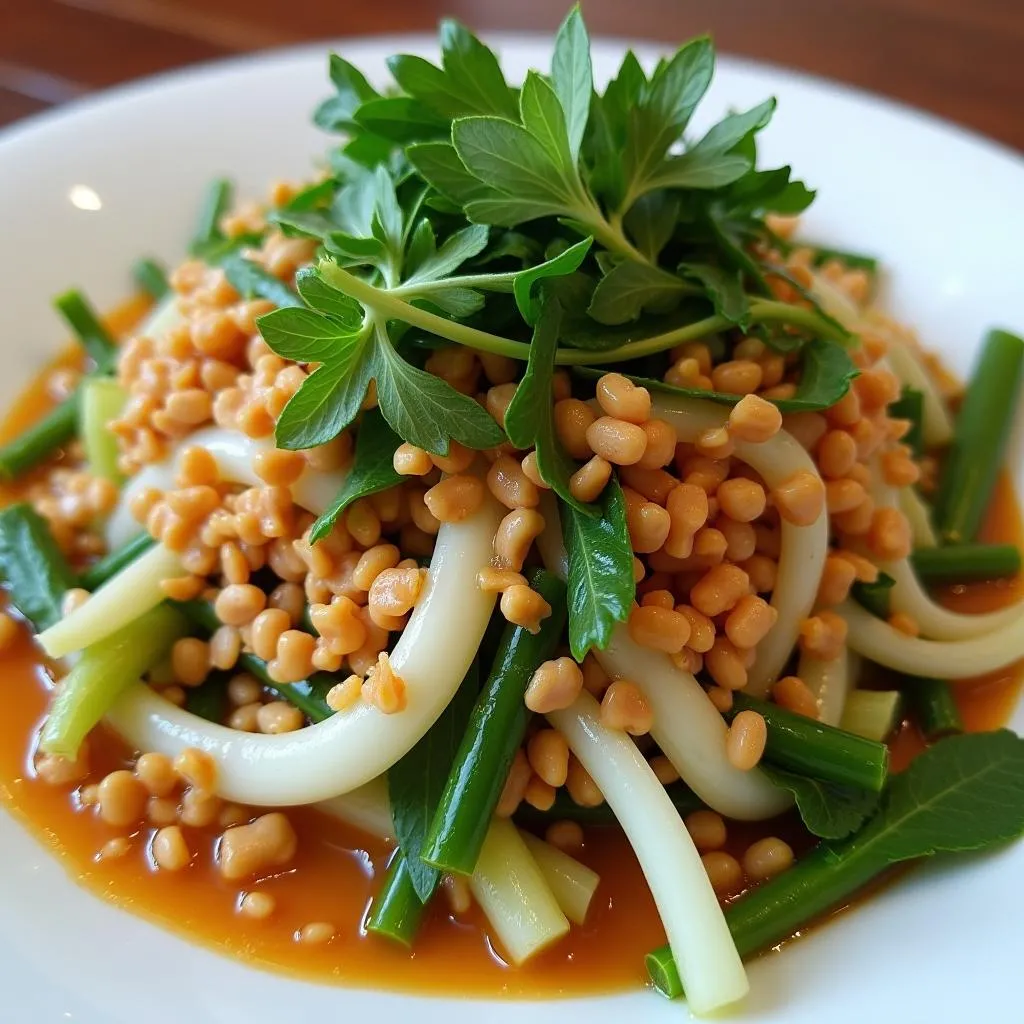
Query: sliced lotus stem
pixel 704 951
pixel 352 747
pixel 941 659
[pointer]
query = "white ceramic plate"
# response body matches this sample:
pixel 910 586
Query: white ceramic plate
pixel 940 206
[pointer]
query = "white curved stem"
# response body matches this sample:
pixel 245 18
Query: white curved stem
pixel 913 507
pixel 704 952
pixel 234 452
pixel 942 659
pixel 829 681
pixel 909 597
pixel 936 421
pixel 350 748
pixel 803 548
pixel 687 726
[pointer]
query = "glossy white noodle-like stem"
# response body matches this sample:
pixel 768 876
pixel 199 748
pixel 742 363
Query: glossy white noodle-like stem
pixel 235 454
pixel 705 954
pixel 122 599
pixel 803 548
pixel 908 596
pixel 943 659
pixel 829 681
pixel 572 883
pixel 687 726
pixel 335 756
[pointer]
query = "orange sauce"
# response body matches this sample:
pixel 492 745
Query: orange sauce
pixel 337 868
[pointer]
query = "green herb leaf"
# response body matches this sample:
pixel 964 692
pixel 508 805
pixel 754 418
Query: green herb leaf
pixel 827 372
pixel 573 78
pixel 416 782
pixel 695 169
pixel 964 793
pixel 529 418
pixel 724 288
pixel 827 811
pixel 439 164
pixel 318 295
pixel 630 287
pixel 426 410
pixel 372 470
pixel 251 281
pixel 543 117
pixel 509 159
pixel 651 221
pixel 329 400
pixel 304 336
pixel 336 113
pixel 600 583
pixel 565 263
pixel 207 230
pixel 34 572
pixel 456 249
pixel 474 70
pixel 400 119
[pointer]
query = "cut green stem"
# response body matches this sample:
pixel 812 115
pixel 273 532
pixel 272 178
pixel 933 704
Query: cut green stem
pixel 495 731
pixel 964 563
pixel 92 335
pixel 933 707
pixel 566 809
pixel 396 911
pixel 41 440
pixel 151 278
pixel 808 747
pixel 979 438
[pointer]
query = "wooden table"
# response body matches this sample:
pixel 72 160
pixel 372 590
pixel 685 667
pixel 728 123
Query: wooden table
pixel 958 58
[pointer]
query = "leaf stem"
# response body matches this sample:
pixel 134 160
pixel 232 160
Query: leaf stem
pixel 494 282
pixel 392 306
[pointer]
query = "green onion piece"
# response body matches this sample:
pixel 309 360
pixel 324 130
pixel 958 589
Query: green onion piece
pixel 209 701
pixel 151 278
pixel 873 714
pixel 101 399
pixel 933 707
pixel 92 335
pixel 874 596
pixel 215 204
pixel 32 567
pixel 40 441
pixel 495 731
pixel 808 747
pixel 979 438
pixel 965 563
pixel 309 695
pixel 111 564
pixel 396 910
pixel 103 672
pixel 910 406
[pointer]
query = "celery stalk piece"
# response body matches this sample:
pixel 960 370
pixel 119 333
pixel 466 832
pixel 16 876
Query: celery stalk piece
pixel 572 883
pixel 131 593
pixel 101 400
pixel 512 892
pixel 873 714
pixel 104 670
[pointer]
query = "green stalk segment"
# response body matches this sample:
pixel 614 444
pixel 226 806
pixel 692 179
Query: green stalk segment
pixel 566 809
pixel 396 911
pixel 966 563
pixel 41 440
pixel 910 406
pixel 111 564
pixel 101 399
pixel 979 439
pixel 933 707
pixel 802 745
pixel 495 731
pixel 103 672
pixel 82 319
pixel 873 714
pixel 151 278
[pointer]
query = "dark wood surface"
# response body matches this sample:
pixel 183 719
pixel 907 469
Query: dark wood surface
pixel 958 58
